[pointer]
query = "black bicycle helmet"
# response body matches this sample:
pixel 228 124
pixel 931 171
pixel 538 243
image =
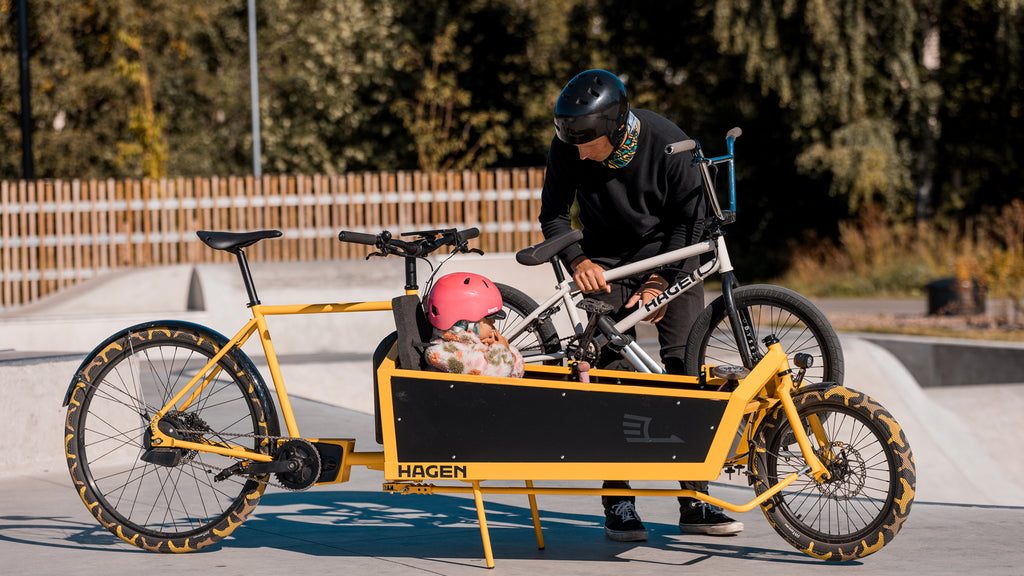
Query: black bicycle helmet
pixel 593 104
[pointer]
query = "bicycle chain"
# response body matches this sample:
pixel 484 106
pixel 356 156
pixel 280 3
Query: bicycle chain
pixel 252 435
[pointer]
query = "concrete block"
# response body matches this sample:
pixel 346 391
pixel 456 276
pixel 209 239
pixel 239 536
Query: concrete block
pixel 31 414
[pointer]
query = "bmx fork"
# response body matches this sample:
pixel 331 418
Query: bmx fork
pixel 742 331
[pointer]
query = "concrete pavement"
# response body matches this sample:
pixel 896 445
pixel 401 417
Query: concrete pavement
pixel 355 528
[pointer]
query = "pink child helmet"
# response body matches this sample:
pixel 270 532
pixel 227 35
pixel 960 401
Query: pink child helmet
pixel 462 296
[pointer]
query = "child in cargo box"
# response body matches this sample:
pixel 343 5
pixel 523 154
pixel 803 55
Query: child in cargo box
pixel 462 308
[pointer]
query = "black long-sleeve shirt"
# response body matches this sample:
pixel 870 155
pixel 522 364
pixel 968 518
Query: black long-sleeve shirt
pixel 652 205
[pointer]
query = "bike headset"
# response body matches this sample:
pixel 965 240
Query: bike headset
pixel 463 296
pixel 593 104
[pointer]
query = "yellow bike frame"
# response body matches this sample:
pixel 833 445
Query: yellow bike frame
pixel 767 385
pixel 184 398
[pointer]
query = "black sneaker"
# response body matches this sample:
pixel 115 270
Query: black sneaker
pixel 703 518
pixel 622 524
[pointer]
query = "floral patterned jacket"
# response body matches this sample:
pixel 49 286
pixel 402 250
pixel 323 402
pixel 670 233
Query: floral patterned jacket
pixel 459 351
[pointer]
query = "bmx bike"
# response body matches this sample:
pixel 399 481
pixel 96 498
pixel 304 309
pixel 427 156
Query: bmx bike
pixel 729 331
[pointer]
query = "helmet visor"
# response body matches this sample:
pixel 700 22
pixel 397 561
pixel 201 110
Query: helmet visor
pixel 579 129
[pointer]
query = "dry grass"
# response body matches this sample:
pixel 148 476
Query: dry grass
pixel 877 256
pixel 967 327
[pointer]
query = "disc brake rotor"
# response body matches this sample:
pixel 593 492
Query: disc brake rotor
pixel 847 471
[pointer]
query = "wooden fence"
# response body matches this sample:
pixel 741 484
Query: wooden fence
pixel 54 233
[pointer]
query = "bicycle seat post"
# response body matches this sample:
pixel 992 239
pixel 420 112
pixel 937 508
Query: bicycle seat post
pixel 556 265
pixel 243 265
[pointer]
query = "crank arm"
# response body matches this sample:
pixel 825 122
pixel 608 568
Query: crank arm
pixel 257 468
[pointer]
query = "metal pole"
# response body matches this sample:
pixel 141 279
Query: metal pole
pixel 254 85
pixel 27 170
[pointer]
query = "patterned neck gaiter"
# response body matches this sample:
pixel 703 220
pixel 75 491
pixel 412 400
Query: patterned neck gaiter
pixel 625 152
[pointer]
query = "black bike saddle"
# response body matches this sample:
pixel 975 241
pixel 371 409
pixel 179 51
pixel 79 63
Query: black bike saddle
pixel 543 252
pixel 234 241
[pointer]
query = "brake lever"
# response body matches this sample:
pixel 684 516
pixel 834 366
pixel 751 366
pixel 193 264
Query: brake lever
pixel 463 247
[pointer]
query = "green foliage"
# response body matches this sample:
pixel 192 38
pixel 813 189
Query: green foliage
pixel 846 77
pixel 866 165
pixel 477 79
pixel 448 130
pixel 148 147
pixel 979 162
pixel 78 103
pixel 914 106
pixel 326 80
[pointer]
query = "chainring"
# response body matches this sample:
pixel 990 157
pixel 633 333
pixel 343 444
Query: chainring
pixel 576 351
pixel 308 458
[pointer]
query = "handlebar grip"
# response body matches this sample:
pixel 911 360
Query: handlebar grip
pixel 358 238
pixel 682 146
pixel 469 233
pixel 734 133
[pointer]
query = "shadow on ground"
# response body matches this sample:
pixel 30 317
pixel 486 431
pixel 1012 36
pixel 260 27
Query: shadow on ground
pixel 440 528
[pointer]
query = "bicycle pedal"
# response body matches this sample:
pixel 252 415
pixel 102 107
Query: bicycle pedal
pixel 595 306
pixel 730 372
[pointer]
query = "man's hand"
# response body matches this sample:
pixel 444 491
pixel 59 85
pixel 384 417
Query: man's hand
pixel 650 290
pixel 589 276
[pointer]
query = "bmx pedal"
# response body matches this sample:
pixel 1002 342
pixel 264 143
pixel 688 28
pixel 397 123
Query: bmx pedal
pixel 730 372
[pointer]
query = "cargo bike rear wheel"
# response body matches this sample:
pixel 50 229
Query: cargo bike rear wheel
pixel 165 499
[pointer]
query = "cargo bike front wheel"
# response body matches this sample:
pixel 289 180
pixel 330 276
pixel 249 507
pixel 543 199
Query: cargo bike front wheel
pixel 867 497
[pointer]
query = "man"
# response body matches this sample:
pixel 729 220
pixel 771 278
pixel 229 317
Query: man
pixel 634 202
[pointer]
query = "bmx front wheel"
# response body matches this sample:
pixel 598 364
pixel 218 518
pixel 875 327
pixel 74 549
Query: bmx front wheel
pixel 165 500
pixel 872 479
pixel 764 310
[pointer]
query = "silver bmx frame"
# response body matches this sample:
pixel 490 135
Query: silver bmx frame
pixel 567 290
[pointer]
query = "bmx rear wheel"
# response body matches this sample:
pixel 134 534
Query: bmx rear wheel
pixel 540 337
pixel 871 483
pixel 164 500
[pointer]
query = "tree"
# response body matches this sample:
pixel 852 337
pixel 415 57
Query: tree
pixel 448 126
pixel 846 76
pixel 978 162
pixel 120 91
pixel 326 81
pixel 842 104
pixel 78 104
pixel 148 146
